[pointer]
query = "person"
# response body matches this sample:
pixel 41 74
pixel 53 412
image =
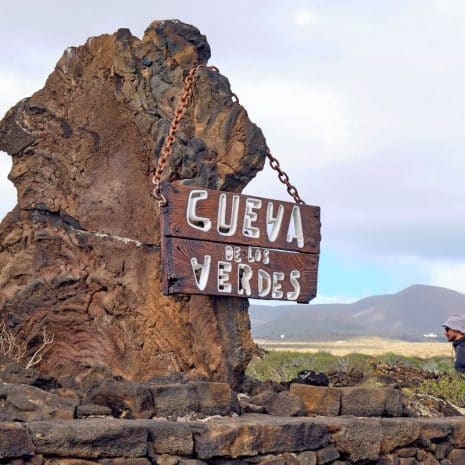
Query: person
pixel 454 328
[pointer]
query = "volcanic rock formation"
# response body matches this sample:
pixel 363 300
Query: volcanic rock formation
pixel 80 254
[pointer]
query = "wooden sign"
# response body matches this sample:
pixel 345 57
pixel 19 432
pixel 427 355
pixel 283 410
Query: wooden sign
pixel 223 243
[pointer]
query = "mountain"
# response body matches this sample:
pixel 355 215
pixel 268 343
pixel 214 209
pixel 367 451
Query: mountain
pixel 408 315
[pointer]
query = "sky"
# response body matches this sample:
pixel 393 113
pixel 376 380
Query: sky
pixel 362 102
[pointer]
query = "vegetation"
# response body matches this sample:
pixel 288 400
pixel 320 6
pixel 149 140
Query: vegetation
pixel 434 376
pixel 450 387
pixel 283 365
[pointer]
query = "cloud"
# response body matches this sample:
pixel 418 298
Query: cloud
pixel 335 299
pixel 304 113
pixel 15 86
pixel 361 102
pixel 304 17
pixel 448 274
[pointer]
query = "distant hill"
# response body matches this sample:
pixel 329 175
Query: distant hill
pixel 408 315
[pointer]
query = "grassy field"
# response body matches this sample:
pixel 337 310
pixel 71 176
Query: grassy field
pixel 364 345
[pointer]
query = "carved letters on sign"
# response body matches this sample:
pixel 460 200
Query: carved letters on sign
pixel 223 243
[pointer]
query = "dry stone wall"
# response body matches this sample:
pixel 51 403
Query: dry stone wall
pixel 250 439
pixel 115 421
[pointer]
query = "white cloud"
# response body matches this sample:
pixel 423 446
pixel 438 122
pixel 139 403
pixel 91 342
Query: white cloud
pixel 363 106
pixel 15 86
pixel 448 274
pixel 335 299
pixel 304 17
pixel 298 114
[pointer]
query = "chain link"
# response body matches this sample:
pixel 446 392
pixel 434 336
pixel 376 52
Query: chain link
pixel 284 178
pixel 167 149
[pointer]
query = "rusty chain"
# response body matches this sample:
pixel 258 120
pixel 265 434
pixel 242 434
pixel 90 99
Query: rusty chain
pixel 167 149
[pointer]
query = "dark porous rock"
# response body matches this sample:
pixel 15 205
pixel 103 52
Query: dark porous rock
pixel 213 398
pixel 15 441
pixel 253 386
pixel 423 405
pixel 20 402
pixel 307 458
pixel 456 457
pixel 394 402
pixel 184 461
pixel 125 461
pixel 126 399
pixel 179 400
pixel 262 400
pixel 65 461
pixel 339 378
pixel 356 439
pixel 89 438
pixel 165 459
pixel 168 437
pixel 286 404
pixel 87 378
pixel 174 400
pixel 227 462
pixel 458 432
pixel 311 377
pixel 235 402
pixel 93 411
pixel 407 452
pixel 246 406
pixel 290 458
pixel 368 402
pixel 170 378
pixel 80 255
pixel 267 460
pixel 426 458
pixel 12 372
pixel 442 450
pixel 398 432
pixel 433 429
pixel 257 434
pixel 68 394
pixel 318 400
pixel 327 454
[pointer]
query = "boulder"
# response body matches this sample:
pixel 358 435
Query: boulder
pixel 19 402
pixel 12 372
pixel 126 399
pixel 168 437
pixel 15 441
pixel 89 438
pixel 250 435
pixel 286 404
pixel 318 400
pixel 179 400
pixel 356 438
pixel 80 254
pixel 371 402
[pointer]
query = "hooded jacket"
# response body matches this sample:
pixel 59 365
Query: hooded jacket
pixel 459 347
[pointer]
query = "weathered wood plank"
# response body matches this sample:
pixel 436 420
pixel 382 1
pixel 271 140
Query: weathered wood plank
pixel 200 267
pixel 227 217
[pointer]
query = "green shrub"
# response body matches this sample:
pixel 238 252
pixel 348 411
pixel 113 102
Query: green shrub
pixel 284 365
pixel 449 387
